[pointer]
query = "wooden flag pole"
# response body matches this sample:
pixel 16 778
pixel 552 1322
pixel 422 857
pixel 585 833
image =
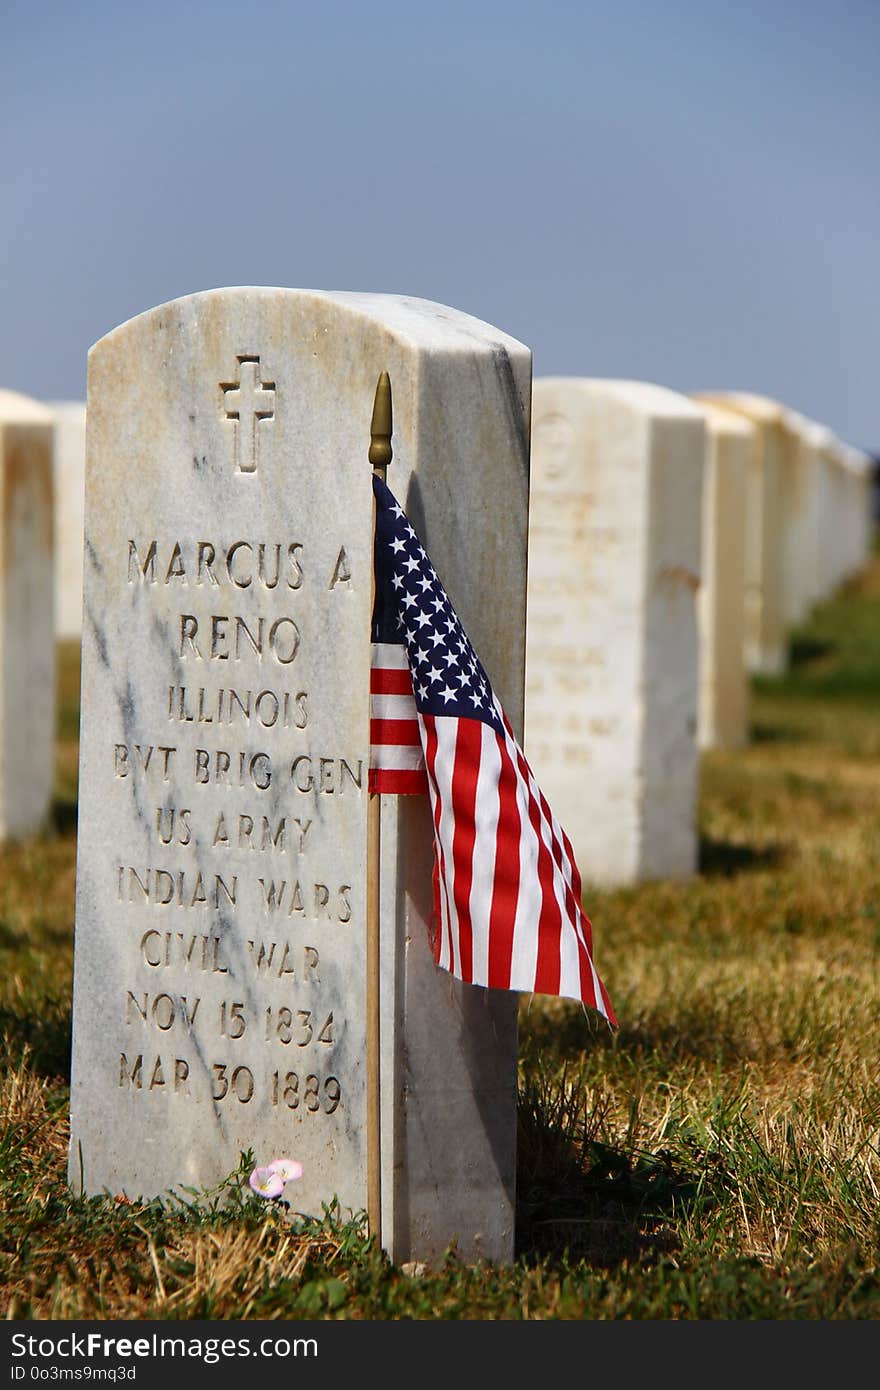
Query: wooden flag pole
pixel 380 457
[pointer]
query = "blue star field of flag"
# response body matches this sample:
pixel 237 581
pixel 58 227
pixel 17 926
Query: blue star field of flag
pixel 412 607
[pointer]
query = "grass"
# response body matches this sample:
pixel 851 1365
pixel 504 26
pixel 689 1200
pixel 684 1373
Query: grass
pixel 716 1158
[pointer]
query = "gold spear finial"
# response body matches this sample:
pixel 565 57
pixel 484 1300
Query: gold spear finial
pixel 380 425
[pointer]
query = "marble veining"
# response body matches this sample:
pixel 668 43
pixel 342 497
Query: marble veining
pixel 219 995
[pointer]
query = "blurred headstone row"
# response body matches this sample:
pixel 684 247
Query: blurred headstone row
pixel 674 543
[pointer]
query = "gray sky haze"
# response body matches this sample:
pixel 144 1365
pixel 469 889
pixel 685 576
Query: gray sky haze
pixel 677 192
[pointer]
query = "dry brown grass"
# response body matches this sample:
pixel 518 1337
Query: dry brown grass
pixel 717 1157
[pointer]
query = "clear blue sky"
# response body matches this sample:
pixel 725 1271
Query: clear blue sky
pixel 680 192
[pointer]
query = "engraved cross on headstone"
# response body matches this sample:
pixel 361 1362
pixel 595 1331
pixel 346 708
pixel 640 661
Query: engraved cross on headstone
pixel 246 402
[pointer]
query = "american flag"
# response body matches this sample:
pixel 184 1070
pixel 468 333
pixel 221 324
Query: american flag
pixel 507 892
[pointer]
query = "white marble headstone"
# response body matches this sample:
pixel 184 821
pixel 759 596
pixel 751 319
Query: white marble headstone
pixel 804 570
pixel 27 643
pixel 799 515
pixel 221 878
pixel 70 467
pixel 837 536
pixel 834 523
pixel 767 493
pixel 723 707
pixel 858 529
pixel 614 561
pixel 823 449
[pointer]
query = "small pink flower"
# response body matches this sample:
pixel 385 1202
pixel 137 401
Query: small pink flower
pixel 287 1169
pixel 266 1182
pixel 269 1182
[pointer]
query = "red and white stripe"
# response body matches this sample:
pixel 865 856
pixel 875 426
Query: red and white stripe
pixel 397 766
pixel 507 890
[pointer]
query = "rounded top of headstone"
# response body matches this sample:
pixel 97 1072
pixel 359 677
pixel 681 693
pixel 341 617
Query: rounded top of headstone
pixel 641 396
pixel 856 460
pixel 761 409
pixel 818 436
pixel 420 323
pixel 16 408
pixel 728 422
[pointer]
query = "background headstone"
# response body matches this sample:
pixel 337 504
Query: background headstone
pixel 27 643
pixel 614 558
pixel 798 522
pixel 835 525
pixel 221 877
pixel 723 703
pixel 826 451
pixel 767 492
pixel 808 444
pixel 70 467
pixel 859 469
